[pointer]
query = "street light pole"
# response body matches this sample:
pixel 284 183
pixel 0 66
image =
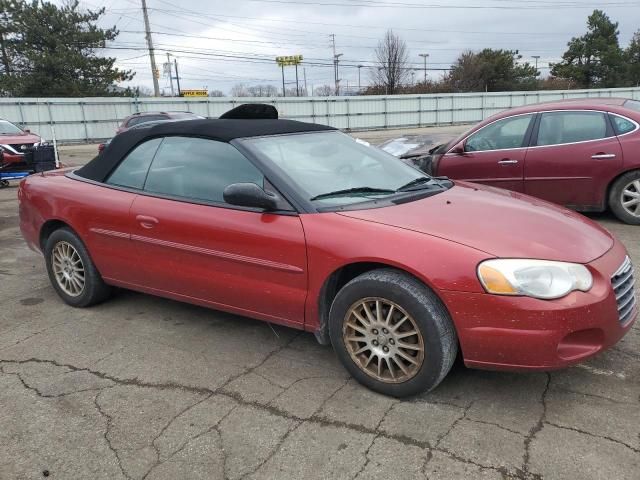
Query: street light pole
pixel 284 92
pixel 424 57
pixel 175 61
pixel 359 86
pixel 168 69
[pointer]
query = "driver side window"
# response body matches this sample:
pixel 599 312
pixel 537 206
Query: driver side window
pixel 503 134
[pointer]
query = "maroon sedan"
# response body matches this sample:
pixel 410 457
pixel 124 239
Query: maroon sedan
pixel 583 154
pixel 300 225
pixel 14 141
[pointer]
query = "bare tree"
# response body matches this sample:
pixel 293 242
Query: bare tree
pixel 142 91
pixel 392 60
pixel 324 91
pixel 216 93
pixel 239 90
pixel 263 91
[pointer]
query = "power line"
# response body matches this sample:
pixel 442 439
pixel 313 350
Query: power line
pixel 386 4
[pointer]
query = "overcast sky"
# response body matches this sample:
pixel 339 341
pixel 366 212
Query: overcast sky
pixel 219 43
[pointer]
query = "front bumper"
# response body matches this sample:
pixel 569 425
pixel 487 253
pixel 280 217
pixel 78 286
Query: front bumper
pixel 522 333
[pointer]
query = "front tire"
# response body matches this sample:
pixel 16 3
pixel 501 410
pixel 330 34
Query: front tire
pixel 392 333
pixel 624 198
pixel 71 271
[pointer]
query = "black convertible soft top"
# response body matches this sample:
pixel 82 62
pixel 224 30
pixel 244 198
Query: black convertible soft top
pixel 222 130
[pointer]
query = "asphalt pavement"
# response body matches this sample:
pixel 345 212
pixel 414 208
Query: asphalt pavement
pixel 143 387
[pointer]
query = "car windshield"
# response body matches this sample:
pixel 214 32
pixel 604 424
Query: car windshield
pixel 8 128
pixel 333 169
pixel 632 105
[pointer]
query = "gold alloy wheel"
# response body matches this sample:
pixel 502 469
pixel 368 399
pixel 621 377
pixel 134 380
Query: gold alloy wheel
pixel 383 340
pixel 68 269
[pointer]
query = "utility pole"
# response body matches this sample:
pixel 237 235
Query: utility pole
pixel 335 62
pixel 170 73
pixel 156 88
pixel 536 57
pixel 175 62
pixel 304 74
pixel 336 59
pixel 359 86
pixel 424 57
pixel 297 84
pixel 284 92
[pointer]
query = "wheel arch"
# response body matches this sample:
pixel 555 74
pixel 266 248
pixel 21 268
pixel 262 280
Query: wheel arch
pixel 614 180
pixel 338 279
pixel 51 226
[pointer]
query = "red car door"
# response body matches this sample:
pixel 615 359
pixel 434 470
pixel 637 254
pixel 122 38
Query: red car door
pixel 494 155
pixel 192 245
pixel 574 156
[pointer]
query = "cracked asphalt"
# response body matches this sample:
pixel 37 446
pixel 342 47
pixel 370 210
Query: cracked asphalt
pixel 143 387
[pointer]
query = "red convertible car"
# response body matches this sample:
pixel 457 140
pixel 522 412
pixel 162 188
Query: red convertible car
pixel 583 154
pixel 300 225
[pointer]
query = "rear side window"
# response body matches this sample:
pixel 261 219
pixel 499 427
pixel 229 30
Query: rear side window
pixel 198 169
pixel 569 127
pixel 622 125
pixel 132 171
pixel 144 119
pixel 500 135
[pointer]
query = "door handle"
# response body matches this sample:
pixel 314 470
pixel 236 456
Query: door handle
pixel 146 221
pixel 507 161
pixel 602 156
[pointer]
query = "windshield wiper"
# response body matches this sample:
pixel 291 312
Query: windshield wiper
pixel 417 181
pixel 350 191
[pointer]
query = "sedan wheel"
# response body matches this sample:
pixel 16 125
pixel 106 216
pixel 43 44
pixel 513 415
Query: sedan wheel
pixel 624 197
pixel 630 198
pixel 383 340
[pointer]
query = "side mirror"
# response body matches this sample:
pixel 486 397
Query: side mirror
pixel 458 149
pixel 249 195
pixel 27 130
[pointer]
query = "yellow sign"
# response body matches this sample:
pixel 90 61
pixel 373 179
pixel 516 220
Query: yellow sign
pixel 290 60
pixel 195 93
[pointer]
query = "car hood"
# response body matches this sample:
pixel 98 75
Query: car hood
pixel 499 222
pixel 409 146
pixel 19 138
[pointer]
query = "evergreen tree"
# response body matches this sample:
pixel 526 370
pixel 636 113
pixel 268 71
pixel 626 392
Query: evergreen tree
pixel 491 70
pixel 51 51
pixel 632 60
pixel 594 60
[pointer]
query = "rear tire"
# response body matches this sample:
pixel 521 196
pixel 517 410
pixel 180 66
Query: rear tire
pixel 371 323
pixel 624 198
pixel 71 271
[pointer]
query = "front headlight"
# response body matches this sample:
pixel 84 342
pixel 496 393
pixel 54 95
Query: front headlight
pixel 533 278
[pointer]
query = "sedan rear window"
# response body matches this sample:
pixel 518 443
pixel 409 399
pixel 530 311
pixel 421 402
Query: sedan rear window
pixel 569 127
pixel 145 119
pixel 633 105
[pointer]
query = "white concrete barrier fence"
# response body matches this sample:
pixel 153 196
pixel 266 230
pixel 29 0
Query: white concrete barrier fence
pixel 78 120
